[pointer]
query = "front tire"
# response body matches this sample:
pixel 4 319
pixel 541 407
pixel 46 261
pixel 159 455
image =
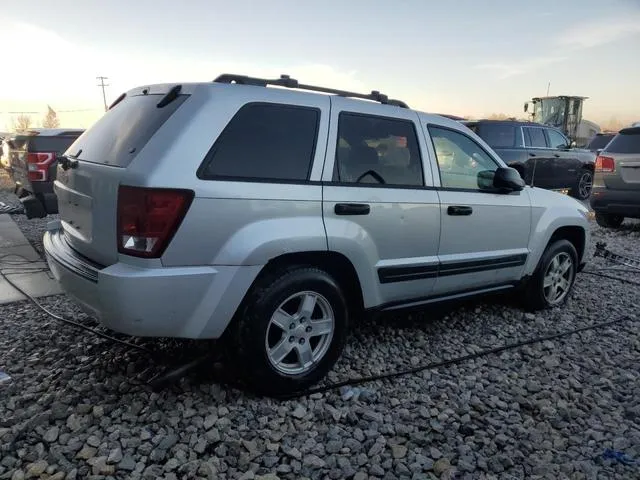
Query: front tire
pixel 582 190
pixel 609 221
pixel 551 284
pixel 291 330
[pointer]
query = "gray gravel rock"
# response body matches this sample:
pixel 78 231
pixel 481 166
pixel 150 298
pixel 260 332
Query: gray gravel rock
pixel 76 406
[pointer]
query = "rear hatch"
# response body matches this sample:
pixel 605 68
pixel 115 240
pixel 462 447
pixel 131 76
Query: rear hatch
pixel 623 154
pixel 88 194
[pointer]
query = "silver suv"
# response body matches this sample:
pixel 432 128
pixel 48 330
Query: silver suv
pixel 270 217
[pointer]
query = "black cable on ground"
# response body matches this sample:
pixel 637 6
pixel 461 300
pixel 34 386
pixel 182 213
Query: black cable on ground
pixel 445 363
pixel 161 379
pixel 623 280
pixel 72 322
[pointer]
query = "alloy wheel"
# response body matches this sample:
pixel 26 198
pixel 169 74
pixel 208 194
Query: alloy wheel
pixel 299 333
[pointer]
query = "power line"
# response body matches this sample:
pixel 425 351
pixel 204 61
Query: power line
pixel 102 84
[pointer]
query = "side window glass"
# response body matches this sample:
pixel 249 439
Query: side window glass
pixel 556 139
pixel 460 159
pixel 265 142
pixel 534 137
pixel 377 150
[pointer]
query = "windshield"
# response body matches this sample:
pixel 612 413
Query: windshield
pixel 550 111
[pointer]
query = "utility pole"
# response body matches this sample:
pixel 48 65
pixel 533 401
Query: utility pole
pixel 548 87
pixel 102 84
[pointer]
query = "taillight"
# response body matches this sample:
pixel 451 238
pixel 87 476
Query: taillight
pixel 605 164
pixel 148 218
pixel 38 165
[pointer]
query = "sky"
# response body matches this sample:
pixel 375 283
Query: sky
pixel 463 57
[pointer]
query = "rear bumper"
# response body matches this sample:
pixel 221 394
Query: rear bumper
pixel 181 302
pixel 616 202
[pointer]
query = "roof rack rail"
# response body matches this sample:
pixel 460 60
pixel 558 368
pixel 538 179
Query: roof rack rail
pixel 288 82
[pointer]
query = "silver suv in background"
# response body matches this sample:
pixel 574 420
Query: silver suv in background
pixel 270 217
pixel 616 190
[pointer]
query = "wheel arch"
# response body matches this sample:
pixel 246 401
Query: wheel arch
pixel 335 264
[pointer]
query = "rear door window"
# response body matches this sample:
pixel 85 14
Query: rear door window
pixel 627 141
pixel 534 137
pixel 497 135
pixel 377 150
pixel 265 141
pixel 124 130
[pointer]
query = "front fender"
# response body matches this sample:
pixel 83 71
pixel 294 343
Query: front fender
pixel 551 211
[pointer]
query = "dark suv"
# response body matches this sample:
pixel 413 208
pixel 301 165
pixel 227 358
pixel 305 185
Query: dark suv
pixel 616 189
pixel 543 155
pixel 33 164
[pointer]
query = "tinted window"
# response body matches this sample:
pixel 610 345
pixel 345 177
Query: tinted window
pixel 556 139
pixel 460 159
pixel 534 137
pixel 377 150
pixel 125 129
pixel 58 144
pixel 599 141
pixel 497 135
pixel 627 141
pixel 265 141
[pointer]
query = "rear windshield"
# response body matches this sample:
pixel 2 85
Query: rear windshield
pixel 599 141
pixel 58 144
pixel 625 142
pixel 125 129
pixel 496 135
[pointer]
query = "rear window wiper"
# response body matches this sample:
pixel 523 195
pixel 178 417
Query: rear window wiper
pixel 170 96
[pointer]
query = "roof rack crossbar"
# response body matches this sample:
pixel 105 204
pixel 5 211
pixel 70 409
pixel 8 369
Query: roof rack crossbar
pixel 288 82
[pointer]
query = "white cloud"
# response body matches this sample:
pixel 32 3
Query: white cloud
pixel 67 75
pixel 504 70
pixel 605 30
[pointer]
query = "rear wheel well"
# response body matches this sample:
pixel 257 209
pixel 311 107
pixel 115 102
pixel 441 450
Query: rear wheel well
pixel 575 235
pixel 335 264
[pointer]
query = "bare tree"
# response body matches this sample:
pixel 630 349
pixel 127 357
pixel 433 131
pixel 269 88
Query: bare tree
pixel 498 116
pixel 21 123
pixel 51 119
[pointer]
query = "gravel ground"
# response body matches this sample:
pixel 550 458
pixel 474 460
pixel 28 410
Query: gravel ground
pixel 76 407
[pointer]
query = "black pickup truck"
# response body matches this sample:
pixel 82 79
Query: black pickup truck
pixel 543 155
pixel 33 162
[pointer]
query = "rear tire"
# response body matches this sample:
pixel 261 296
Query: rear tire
pixel 552 281
pixel 609 221
pixel 290 331
pixel 582 190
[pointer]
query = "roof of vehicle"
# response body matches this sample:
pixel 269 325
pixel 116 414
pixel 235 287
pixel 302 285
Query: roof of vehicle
pixel 284 83
pixel 508 122
pixel 51 131
pixel 630 131
pixel 559 96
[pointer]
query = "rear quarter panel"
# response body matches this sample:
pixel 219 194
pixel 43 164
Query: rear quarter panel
pixel 235 222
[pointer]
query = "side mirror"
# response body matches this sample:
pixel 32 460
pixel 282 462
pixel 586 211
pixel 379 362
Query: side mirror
pixel 508 179
pixel 526 107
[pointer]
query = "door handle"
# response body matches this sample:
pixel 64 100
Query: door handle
pixel 459 210
pixel 532 154
pixel 557 155
pixel 352 209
